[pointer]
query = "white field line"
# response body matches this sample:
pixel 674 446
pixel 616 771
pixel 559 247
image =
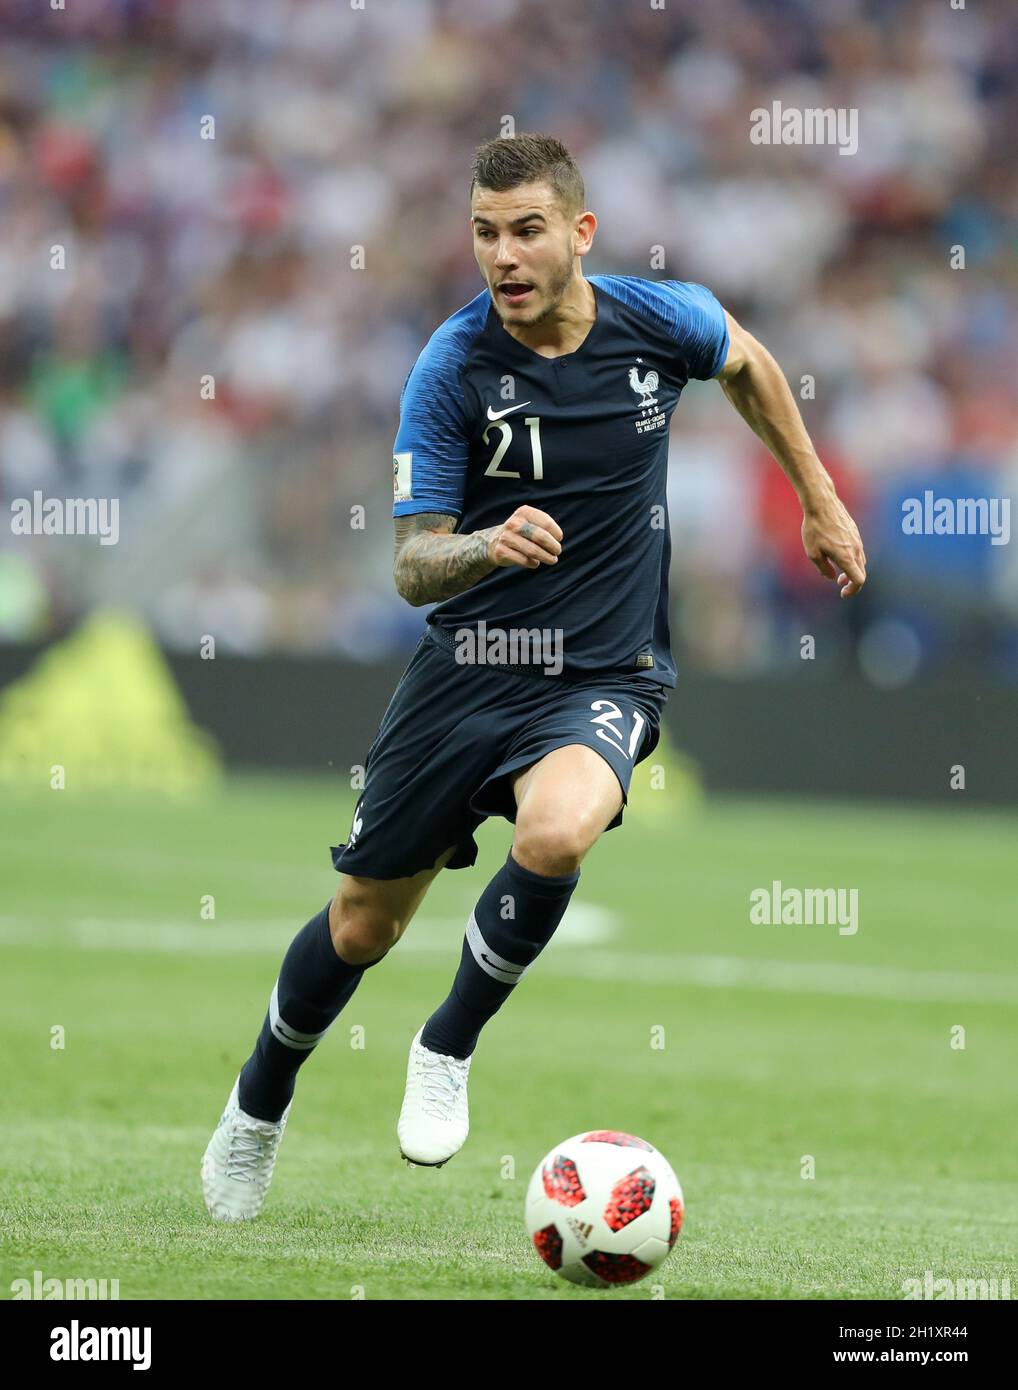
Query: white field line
pixel 576 952
pixel 585 925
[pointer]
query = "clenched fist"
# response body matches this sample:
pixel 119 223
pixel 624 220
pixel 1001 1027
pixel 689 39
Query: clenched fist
pixel 529 538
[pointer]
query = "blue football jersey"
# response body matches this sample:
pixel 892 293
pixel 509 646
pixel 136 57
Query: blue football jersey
pixel 488 425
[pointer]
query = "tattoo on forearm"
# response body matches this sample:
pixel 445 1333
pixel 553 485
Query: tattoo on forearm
pixel 429 567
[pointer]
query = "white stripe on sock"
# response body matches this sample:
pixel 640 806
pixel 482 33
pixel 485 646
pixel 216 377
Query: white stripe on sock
pixel 282 1032
pixel 490 961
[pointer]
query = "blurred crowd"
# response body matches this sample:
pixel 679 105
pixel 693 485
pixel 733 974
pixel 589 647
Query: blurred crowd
pixel 215 351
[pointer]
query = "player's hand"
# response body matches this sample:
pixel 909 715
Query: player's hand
pixel 529 538
pixel 831 540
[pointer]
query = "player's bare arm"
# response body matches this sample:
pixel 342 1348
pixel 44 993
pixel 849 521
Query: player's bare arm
pixel 756 386
pixel 431 563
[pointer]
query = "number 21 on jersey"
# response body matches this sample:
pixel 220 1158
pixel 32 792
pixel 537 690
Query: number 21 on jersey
pixel 533 422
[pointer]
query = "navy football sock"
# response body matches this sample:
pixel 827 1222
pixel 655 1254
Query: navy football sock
pixel 512 923
pixel 313 986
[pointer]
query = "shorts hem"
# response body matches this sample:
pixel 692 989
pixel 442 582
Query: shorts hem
pixel 464 857
pixel 504 770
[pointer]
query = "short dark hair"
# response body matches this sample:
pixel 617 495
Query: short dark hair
pixel 511 160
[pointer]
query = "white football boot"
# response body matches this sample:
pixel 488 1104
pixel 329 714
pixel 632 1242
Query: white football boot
pixel 238 1163
pixel 434 1121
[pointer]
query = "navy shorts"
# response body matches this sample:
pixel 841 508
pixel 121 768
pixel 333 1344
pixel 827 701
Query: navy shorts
pixel 453 734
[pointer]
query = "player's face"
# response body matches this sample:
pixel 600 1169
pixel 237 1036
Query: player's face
pixel 524 247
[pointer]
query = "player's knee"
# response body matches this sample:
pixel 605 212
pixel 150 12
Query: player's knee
pixel 545 845
pixel 362 926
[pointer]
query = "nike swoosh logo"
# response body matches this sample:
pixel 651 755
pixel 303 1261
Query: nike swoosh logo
pixel 507 968
pixel 497 414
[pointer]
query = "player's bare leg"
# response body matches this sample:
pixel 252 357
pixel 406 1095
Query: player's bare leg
pixel 320 972
pixel 564 802
pixel 368 916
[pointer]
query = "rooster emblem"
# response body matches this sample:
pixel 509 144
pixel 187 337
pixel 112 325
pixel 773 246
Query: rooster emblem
pixel 644 389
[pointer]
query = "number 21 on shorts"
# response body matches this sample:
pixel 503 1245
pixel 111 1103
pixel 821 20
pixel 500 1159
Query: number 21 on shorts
pixel 611 729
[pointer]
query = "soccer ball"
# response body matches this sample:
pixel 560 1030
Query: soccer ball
pixel 604 1208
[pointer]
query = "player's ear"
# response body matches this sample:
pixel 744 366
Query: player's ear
pixel 586 226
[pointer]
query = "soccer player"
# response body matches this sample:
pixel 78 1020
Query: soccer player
pixel 529 472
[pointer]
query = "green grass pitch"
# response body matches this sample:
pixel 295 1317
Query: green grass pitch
pixel 779 1042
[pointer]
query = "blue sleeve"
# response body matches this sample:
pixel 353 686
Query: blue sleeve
pixel 699 327
pixel 687 313
pixel 429 463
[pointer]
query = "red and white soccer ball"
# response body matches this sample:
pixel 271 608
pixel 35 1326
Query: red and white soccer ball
pixel 604 1208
